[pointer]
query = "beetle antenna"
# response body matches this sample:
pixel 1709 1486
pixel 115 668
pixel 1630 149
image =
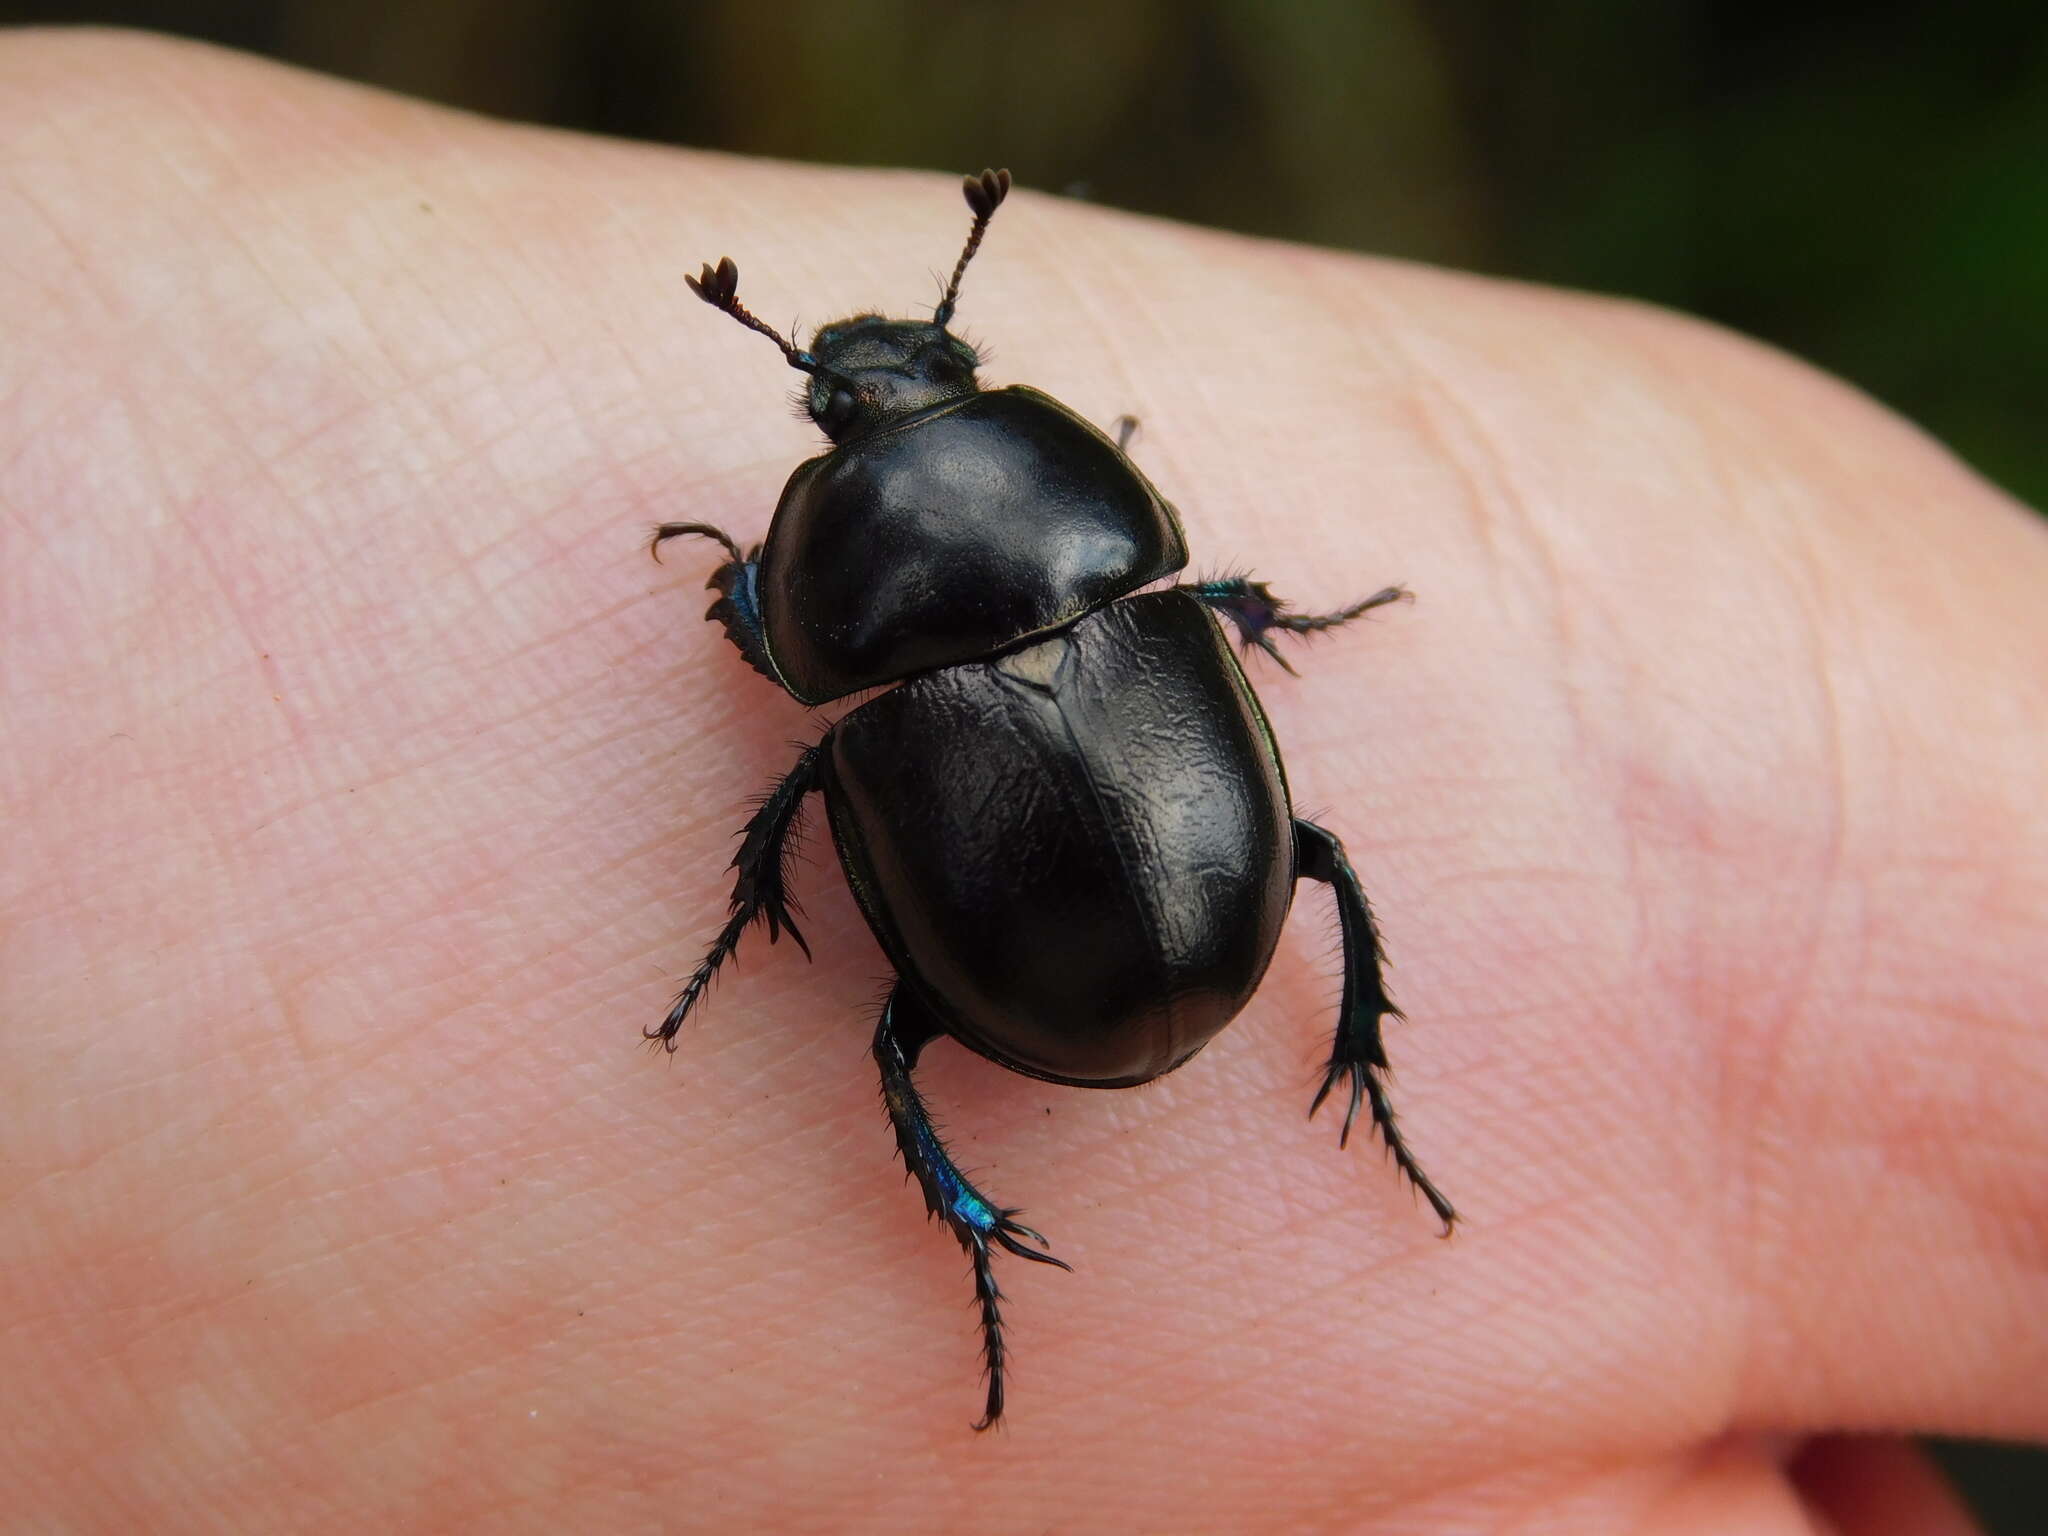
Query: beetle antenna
pixel 984 194
pixel 719 287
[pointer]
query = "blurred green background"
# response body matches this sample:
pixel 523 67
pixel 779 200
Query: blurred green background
pixel 1863 184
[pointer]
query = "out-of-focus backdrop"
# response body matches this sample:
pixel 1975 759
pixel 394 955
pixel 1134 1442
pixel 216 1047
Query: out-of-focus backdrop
pixel 1865 184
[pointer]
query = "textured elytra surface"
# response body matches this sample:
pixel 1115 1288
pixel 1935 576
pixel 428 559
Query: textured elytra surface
pixel 1081 853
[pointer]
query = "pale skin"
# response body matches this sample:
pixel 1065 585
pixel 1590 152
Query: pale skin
pixel 368 790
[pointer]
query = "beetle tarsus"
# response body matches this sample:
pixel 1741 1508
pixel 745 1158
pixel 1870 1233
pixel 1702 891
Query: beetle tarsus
pixel 1256 612
pixel 988 1296
pixel 665 531
pixel 1359 1056
pixel 737 583
pixel 905 1030
pixel 760 888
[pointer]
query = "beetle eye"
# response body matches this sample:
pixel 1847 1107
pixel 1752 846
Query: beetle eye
pixel 838 410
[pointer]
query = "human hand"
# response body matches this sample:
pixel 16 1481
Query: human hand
pixel 368 789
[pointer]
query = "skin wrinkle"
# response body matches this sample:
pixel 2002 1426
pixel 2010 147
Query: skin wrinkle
pixel 1422 391
pixel 1225 410
pixel 1489 482
pixel 1432 396
pixel 417 766
pixel 1795 535
pixel 263 967
pixel 52 297
pixel 446 153
pixel 81 272
pixel 649 386
pixel 1731 1088
pixel 1747 1249
pixel 1083 296
pixel 38 433
pixel 478 379
pixel 1861 967
pixel 1433 399
pixel 1336 1287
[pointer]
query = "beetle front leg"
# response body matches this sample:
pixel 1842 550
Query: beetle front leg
pixel 907 1027
pixel 1256 612
pixel 761 886
pixel 737 583
pixel 1359 1054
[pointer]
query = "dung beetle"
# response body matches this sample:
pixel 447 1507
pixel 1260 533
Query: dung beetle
pixel 1065 820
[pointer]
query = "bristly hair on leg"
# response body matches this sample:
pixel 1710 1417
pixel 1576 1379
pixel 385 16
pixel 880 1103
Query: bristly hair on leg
pixel 1255 611
pixel 760 887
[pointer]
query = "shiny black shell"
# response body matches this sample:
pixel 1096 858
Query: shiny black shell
pixel 949 535
pixel 1079 853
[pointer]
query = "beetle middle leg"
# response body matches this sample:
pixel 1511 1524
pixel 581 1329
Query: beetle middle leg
pixel 907 1027
pixel 760 888
pixel 1256 612
pixel 1359 1055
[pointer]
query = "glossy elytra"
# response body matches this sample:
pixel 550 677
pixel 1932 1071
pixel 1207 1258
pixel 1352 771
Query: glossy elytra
pixel 1066 821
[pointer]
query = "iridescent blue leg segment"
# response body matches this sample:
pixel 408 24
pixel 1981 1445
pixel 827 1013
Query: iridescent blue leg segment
pixel 736 582
pixel 760 887
pixel 1359 1056
pixel 1256 612
pixel 907 1027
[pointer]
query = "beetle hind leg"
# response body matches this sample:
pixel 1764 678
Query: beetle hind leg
pixel 907 1027
pixel 1255 612
pixel 1359 1056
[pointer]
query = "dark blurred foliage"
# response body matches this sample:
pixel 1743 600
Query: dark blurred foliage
pixel 2007 1485
pixel 1863 184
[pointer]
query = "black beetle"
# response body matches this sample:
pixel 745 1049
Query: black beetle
pixel 1066 822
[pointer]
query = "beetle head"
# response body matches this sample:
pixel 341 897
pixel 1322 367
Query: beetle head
pixel 869 370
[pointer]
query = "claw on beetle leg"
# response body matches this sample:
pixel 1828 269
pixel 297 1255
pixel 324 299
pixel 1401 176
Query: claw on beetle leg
pixel 737 582
pixel 906 1028
pixel 1358 1057
pixel 760 886
pixel 666 531
pixel 1256 612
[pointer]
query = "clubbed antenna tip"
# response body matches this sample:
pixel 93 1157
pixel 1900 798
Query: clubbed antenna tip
pixel 719 287
pixel 984 194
